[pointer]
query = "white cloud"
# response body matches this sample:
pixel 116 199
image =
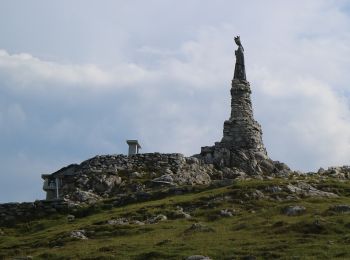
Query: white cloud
pixel 32 74
pixel 312 118
pixel 309 126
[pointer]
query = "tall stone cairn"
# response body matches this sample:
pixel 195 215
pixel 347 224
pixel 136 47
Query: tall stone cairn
pixel 241 131
pixel 241 146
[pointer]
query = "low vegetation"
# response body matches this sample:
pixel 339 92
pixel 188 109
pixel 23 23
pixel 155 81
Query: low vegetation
pixel 244 219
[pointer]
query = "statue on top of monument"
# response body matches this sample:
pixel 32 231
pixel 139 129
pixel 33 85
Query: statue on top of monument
pixel 239 67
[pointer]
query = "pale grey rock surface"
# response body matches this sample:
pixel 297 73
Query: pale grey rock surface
pixel 70 218
pixel 78 234
pixel 197 227
pixel 180 213
pixel 156 219
pixel 166 179
pixel 88 197
pixel 306 190
pixel 226 213
pixel 294 210
pixel 119 221
pixel 109 175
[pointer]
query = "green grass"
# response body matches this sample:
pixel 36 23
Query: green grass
pixel 258 228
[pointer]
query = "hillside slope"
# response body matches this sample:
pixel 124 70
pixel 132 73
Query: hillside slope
pixel 305 218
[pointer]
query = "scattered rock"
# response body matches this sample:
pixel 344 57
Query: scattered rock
pixel 192 176
pixel 257 194
pixel 78 234
pixel 165 179
pixel 157 219
pixel 294 210
pixel 119 221
pixel 273 189
pixel 179 213
pixel 233 173
pixel 192 160
pixel 226 213
pixel 197 227
pixel 136 175
pixel 70 218
pixel 83 196
pixel 137 222
pixel 305 189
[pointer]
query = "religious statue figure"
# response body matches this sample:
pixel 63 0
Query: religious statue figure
pixel 239 67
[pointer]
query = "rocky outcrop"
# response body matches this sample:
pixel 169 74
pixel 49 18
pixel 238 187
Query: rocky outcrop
pixel 110 175
pixel 341 172
pixel 78 234
pixel 144 176
pixel 306 190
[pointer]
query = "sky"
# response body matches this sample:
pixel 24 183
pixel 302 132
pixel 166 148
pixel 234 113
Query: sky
pixel 79 78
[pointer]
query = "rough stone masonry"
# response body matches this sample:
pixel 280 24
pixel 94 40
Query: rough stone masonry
pixel 241 145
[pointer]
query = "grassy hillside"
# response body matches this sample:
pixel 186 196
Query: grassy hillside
pixel 258 227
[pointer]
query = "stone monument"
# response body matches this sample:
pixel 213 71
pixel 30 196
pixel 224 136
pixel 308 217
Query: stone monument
pixel 240 153
pixel 241 145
